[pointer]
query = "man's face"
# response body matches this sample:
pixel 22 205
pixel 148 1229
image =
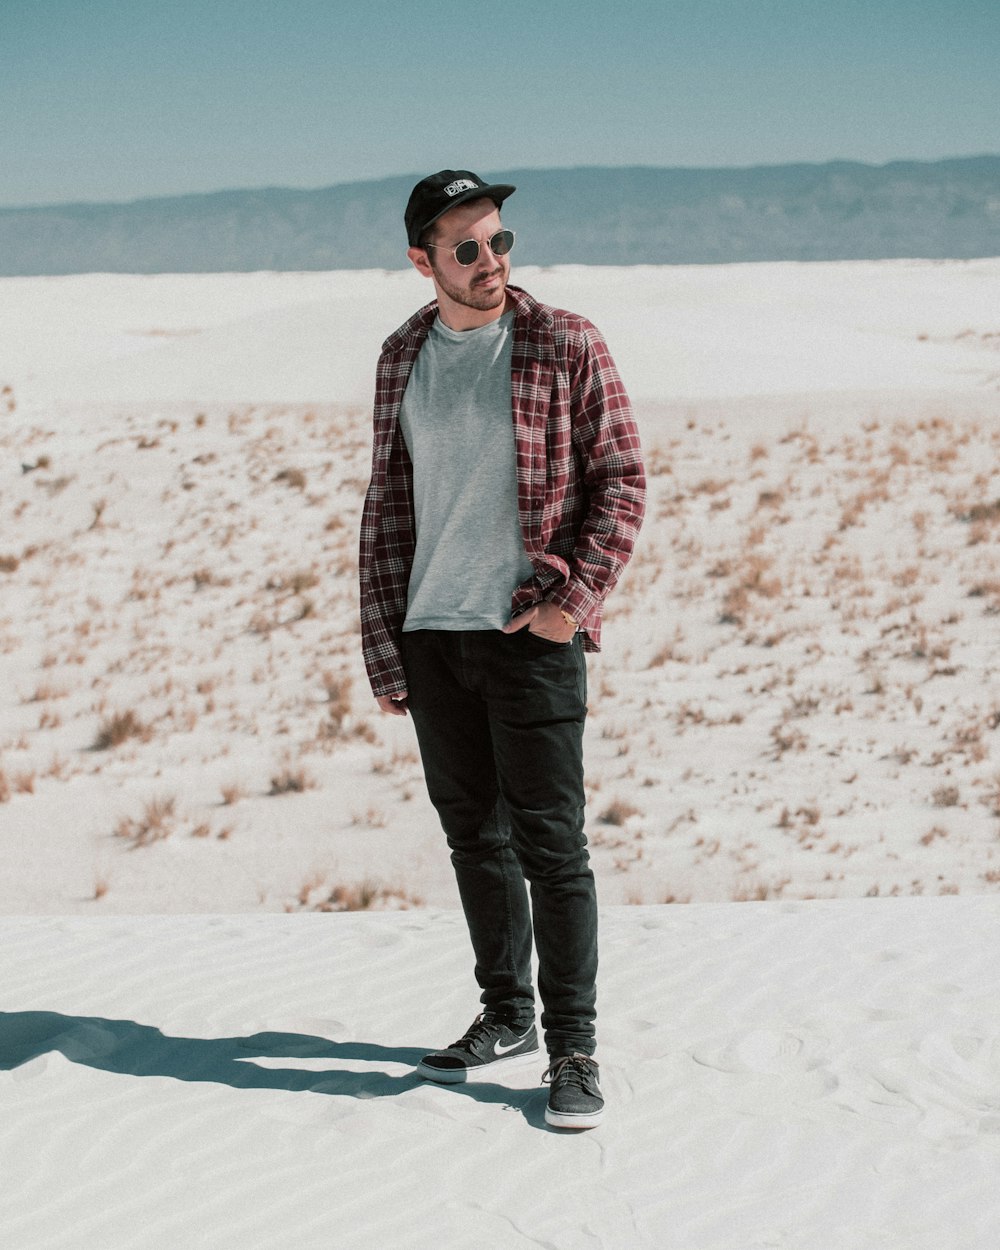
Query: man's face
pixel 480 286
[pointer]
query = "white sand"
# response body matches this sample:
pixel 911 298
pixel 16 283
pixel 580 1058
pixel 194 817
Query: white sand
pixel 780 1075
pixel 685 332
pixel 799 700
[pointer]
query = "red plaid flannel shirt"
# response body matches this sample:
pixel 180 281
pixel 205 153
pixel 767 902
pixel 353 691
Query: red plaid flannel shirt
pixel 580 479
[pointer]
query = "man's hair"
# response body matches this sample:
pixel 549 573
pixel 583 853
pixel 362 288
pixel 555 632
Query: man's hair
pixel 429 235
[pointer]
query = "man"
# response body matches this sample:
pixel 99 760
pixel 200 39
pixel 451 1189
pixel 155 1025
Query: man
pixel 506 494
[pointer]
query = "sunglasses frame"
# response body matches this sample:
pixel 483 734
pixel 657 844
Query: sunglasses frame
pixel 467 264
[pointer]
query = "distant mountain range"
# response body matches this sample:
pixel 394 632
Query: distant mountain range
pixel 596 216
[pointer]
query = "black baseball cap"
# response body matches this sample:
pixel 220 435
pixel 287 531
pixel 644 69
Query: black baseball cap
pixel 435 194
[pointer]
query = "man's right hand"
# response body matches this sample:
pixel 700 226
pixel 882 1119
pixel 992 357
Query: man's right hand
pixel 394 704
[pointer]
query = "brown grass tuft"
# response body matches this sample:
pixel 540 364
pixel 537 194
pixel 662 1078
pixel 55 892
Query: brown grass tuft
pixel 617 812
pixel 118 728
pixel 946 796
pixel 291 779
pixel 232 793
pixel 292 477
pixel 155 823
pixel 366 895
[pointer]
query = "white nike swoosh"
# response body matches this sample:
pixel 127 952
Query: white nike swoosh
pixel 502 1050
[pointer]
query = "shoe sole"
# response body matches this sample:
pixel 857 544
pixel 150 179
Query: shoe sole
pixel 481 1072
pixel 566 1119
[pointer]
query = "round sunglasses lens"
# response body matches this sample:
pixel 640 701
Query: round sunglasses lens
pixel 467 253
pixel 502 242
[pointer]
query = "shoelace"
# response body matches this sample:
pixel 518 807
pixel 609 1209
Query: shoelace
pixel 479 1028
pixel 581 1069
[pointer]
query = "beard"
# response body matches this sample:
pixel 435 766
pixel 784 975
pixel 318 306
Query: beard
pixel 478 294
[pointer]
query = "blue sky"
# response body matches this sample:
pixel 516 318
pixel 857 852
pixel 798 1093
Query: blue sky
pixel 121 99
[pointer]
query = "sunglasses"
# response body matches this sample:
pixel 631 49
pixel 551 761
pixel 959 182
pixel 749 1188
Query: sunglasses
pixel 466 253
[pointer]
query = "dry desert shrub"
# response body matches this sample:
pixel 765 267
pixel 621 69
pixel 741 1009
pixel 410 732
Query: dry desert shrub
pixel 991 799
pixel 99 507
pixel 366 895
pixel 710 486
pixel 982 513
pixel 946 796
pixel 232 793
pixel 760 891
pixel 291 779
pixel 902 754
pixel 802 705
pixel 400 759
pixel 160 819
pixel 617 812
pixel 770 498
pixel 338 697
pixel 805 816
pixel 58 768
pixel 372 818
pixel 54 486
pixel 752 579
pixel 659 462
pixel 24 782
pixel 47 691
pixel 293 583
pixel 5 790
pixel 155 823
pixel 9 564
pixel 262 623
pixel 292 477
pixel 669 652
pixel 967 739
pixel 786 738
pixel 989 590
pixel 119 727
pixel 304 579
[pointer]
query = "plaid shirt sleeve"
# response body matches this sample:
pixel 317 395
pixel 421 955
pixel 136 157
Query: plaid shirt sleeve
pixel 581 482
pixel 388 531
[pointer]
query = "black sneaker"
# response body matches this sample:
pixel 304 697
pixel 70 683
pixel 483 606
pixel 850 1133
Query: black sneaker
pixel 575 1099
pixel 489 1045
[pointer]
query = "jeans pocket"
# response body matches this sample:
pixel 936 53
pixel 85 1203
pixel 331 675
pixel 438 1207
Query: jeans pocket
pixel 544 646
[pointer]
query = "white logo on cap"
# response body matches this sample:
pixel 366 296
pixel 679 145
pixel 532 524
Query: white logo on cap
pixel 462 184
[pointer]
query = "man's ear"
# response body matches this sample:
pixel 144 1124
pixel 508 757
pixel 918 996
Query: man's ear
pixel 420 261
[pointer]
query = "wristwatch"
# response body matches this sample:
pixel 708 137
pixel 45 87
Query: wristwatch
pixel 568 619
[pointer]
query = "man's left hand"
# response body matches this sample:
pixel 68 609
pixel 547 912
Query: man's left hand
pixel 545 620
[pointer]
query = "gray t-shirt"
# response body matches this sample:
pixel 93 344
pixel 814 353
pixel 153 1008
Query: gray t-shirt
pixel 456 421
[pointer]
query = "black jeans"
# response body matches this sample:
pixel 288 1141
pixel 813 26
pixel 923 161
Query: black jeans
pixel 499 721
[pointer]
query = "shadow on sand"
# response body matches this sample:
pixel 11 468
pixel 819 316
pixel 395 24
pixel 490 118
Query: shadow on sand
pixel 132 1049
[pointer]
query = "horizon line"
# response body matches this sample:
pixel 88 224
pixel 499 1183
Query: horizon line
pixel 312 190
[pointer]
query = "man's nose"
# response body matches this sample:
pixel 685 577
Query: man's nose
pixel 486 259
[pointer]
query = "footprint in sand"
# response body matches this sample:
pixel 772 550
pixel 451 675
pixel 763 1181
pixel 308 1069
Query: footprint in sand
pixel 760 1050
pixel 766 1057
